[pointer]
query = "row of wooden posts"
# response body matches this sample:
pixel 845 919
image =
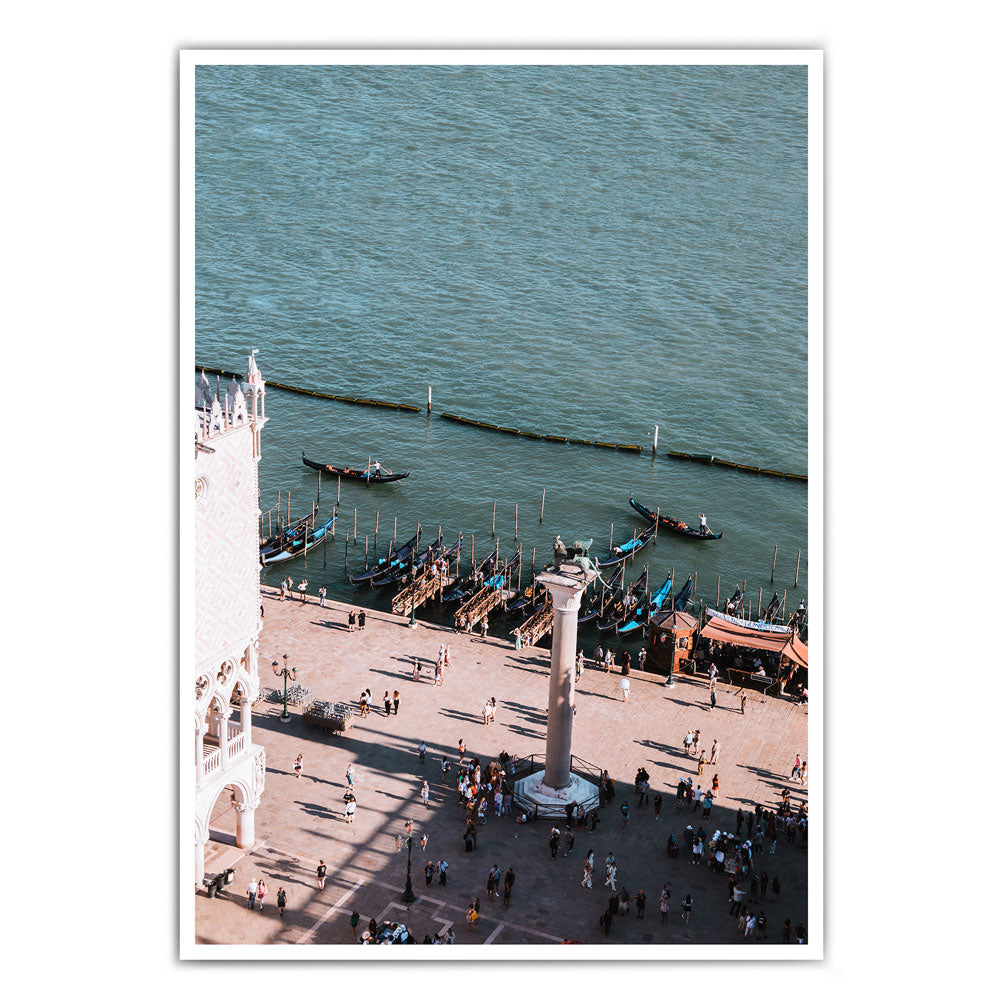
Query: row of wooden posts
pixel 541 515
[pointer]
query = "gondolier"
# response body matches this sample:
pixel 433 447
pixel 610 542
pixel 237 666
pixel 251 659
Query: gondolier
pixel 702 524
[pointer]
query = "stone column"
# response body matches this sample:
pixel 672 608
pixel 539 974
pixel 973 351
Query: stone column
pixel 245 714
pixel 199 752
pixel 223 718
pixel 244 825
pixel 566 588
pixel 199 859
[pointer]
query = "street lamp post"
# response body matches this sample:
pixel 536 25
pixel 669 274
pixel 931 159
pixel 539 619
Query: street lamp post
pixel 408 894
pixel 285 673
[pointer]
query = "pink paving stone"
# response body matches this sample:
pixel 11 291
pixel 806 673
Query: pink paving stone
pixel 300 820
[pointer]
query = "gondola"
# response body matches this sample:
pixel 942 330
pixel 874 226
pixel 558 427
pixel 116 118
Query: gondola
pixel 296 546
pixel 599 598
pixel 626 605
pixel 772 609
pixel 400 575
pixel 388 564
pixel 734 602
pixel 671 524
pixel 680 602
pixel 365 475
pixel 646 611
pixel 473 580
pixel 502 576
pixel 280 539
pixel 621 552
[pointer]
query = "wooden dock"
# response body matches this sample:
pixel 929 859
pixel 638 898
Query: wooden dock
pixel 539 624
pixel 425 587
pixel 478 606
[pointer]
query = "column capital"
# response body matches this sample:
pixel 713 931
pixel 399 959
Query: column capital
pixel 567 586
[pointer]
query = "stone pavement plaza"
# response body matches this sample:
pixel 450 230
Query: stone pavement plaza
pixel 301 820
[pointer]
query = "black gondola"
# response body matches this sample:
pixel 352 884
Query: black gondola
pixel 680 602
pixel 365 475
pixel 473 580
pixel 616 614
pixel 734 602
pixel 599 598
pixel 398 576
pixel 621 552
pixel 672 524
pixel 389 564
pixel 771 611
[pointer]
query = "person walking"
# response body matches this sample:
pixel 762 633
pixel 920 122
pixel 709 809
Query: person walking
pixel 281 899
pixel 350 807
pixel 321 875
pixel 657 805
pixel 261 893
pixel 508 886
pixel 251 893
pixel 775 889
pixel 322 596
pixel 686 908
pixel 387 702
pixel 423 842
pixel 429 872
pixel 355 920
pixel 395 703
pixel 579 666
pixel 442 869
pixel 715 785
pixel 644 791
pixel 588 873
pixel 624 684
pixel 570 841
pixel 711 696
pixel 786 931
pixel 625 811
pixel 493 882
pixel 350 775
pixel 422 750
pixel 554 841
pixel 714 759
pixel 743 704
pixel 606 921
pixel 612 874
pixel 640 904
pixel 701 763
pixel 664 904
pixel 297 766
pixel 461 751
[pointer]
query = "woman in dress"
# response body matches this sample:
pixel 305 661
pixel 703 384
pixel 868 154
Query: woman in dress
pixel 425 793
pixel 261 893
pixel 688 904
pixel 664 904
pixel 297 766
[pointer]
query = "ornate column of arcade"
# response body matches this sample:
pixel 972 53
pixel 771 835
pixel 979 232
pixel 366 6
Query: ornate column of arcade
pixel 244 824
pixel 199 751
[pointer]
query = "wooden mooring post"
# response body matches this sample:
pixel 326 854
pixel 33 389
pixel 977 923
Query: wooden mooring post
pixel 515 525
pixel 718 593
pixel 656 526
pixel 338 490
pixel 541 513
pixel 493 526
pixel 797 567
pixel 774 562
pixel 355 525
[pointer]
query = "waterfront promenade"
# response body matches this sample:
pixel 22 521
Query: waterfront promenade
pixel 300 821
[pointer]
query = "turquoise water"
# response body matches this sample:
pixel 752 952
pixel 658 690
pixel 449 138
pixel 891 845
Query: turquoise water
pixel 583 251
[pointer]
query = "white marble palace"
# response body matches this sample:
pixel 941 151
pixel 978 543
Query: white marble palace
pixel 229 768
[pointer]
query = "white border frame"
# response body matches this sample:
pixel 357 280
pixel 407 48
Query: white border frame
pixel 813 60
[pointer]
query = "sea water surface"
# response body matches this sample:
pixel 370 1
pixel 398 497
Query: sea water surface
pixel 583 251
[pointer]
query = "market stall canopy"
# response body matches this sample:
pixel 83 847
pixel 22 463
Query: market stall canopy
pixel 724 628
pixel 797 651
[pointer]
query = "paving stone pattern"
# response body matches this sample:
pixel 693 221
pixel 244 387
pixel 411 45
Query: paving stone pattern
pixel 301 820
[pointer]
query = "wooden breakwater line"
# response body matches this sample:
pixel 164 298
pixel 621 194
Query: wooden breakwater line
pixel 554 438
pixel 355 400
pixel 712 460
